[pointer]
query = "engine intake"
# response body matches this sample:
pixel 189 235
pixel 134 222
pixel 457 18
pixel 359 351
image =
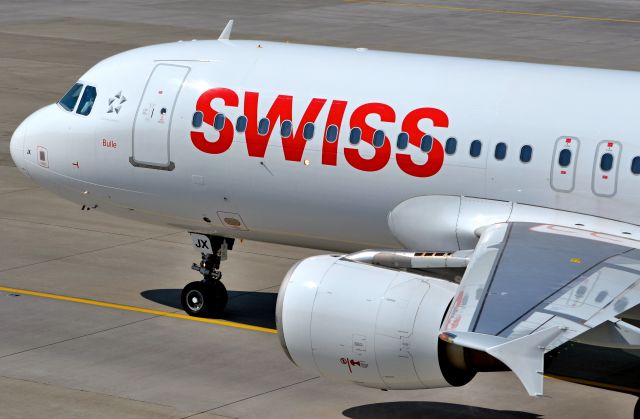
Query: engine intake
pixel 369 325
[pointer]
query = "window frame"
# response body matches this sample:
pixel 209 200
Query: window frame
pixel 304 131
pixel 451 140
pixel 194 117
pixel 81 98
pixel 503 147
pixel 216 118
pixel 326 135
pixel 636 158
pixel 283 124
pixel 422 142
pixel 565 151
pixel 244 120
pixel 471 146
pixel 267 127
pixel 351 135
pixel 611 162
pixel 376 136
pixel 405 137
pixel 530 148
pixel 75 105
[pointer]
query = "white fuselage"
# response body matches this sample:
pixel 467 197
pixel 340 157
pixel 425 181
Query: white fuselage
pixel 147 164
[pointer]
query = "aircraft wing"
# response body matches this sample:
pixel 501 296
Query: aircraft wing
pixel 529 288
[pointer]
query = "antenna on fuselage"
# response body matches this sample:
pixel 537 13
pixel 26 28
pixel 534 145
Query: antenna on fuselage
pixel 226 32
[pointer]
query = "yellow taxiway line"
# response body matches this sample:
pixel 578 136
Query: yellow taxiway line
pixel 138 310
pixel 494 11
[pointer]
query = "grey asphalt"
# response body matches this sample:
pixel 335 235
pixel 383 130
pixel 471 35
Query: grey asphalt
pixel 65 359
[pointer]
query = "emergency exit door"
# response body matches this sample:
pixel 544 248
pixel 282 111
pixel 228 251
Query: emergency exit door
pixel 563 166
pixel 152 124
pixel 605 168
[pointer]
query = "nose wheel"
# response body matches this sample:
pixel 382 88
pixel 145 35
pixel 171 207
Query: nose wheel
pixel 203 298
pixel 207 297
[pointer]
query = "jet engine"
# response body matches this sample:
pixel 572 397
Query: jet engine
pixel 370 325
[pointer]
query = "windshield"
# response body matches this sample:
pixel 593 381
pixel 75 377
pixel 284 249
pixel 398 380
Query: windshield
pixel 69 100
pixel 88 98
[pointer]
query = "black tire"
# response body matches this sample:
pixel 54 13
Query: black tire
pixel 201 299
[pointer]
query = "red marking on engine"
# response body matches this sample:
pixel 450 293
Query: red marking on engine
pixel 353 363
pixel 563 172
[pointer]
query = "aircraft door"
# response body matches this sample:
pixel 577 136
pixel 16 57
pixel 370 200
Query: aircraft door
pixel 563 167
pixel 152 124
pixel 605 168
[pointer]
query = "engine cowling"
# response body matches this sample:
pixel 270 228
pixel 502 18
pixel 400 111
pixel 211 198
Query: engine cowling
pixel 372 326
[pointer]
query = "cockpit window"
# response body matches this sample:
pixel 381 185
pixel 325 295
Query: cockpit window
pixel 88 98
pixel 69 100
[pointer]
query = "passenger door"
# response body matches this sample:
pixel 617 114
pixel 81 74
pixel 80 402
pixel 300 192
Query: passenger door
pixel 152 124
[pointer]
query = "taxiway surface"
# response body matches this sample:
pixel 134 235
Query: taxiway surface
pixel 63 355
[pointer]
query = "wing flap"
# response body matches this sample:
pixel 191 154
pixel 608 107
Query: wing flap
pixel 529 288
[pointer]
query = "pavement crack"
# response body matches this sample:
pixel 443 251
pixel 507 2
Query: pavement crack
pixel 78 337
pixel 76 228
pixel 81 253
pixel 251 397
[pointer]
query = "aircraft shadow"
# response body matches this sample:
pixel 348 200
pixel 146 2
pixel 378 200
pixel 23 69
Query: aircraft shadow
pixel 431 410
pixel 253 308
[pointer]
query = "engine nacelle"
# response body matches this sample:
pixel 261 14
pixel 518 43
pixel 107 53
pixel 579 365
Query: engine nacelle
pixel 372 326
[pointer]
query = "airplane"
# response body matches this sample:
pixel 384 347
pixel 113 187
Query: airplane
pixel 484 213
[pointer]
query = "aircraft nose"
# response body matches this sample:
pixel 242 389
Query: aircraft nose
pixel 17 144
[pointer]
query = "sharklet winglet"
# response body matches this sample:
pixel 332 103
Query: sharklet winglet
pixel 226 32
pixel 524 355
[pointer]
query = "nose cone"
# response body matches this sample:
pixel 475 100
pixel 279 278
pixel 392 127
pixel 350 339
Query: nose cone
pixel 17 144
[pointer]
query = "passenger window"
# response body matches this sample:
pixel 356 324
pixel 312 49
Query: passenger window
pixel 378 138
pixel 564 159
pixel 308 130
pixel 354 136
pixel 285 129
pixel 263 126
pixel 87 101
pixel 70 98
pixel 525 153
pixel 606 162
pixel 426 143
pixel 218 121
pixel 450 146
pixel 635 165
pixel 501 151
pixel 403 140
pixel 196 121
pixel 332 133
pixel 241 123
pixel 476 148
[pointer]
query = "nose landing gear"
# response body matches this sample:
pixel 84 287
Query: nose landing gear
pixel 208 296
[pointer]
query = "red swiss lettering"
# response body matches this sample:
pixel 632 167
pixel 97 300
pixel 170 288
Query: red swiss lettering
pixel 381 155
pixel 225 137
pixel 280 110
pixel 436 155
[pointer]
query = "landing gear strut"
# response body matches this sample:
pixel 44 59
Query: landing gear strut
pixel 208 296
